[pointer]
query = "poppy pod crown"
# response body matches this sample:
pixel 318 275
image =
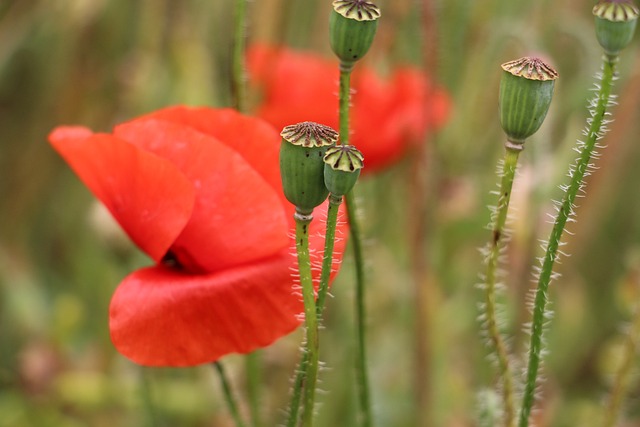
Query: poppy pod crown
pixel 615 24
pixel 352 27
pixel 342 168
pixel 526 89
pixel 302 169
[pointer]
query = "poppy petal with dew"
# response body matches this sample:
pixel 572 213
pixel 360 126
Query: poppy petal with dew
pixel 148 196
pixel 237 217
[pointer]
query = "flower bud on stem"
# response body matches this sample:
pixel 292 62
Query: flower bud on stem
pixel 352 27
pixel 302 170
pixel 526 89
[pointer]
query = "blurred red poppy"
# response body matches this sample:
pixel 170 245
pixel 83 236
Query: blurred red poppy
pixel 387 115
pixel 199 191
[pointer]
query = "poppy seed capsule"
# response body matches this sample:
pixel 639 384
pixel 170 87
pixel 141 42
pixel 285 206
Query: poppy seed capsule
pixel 615 24
pixel 526 89
pixel 352 26
pixel 342 165
pixel 301 167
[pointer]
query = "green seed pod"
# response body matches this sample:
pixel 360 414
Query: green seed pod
pixel 342 165
pixel 526 89
pixel 301 166
pixel 615 24
pixel 352 26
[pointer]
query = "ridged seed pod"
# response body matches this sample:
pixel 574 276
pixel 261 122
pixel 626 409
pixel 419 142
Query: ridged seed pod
pixel 352 27
pixel 301 166
pixel 615 24
pixel 526 89
pixel 342 166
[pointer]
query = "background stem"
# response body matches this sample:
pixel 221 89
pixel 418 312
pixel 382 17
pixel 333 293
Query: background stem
pixel 362 380
pixel 238 72
pixel 228 394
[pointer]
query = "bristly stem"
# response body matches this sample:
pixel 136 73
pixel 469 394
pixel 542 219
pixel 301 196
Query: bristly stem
pixel 566 211
pixel 311 319
pixel 362 379
pixel 228 394
pixel 499 219
pixel 327 257
pixel 323 288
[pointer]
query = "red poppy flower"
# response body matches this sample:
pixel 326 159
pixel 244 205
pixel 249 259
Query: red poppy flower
pixel 387 115
pixel 199 191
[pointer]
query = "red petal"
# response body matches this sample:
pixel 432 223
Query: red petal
pixel 147 195
pixel 255 140
pixel 296 86
pixel 237 217
pixel 161 317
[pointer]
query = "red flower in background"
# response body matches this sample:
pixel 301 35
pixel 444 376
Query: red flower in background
pixel 199 191
pixel 387 115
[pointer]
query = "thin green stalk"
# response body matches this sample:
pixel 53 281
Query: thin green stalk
pixel 362 380
pixel 566 210
pixel 228 394
pixel 332 217
pixel 623 376
pixel 327 257
pixel 253 369
pixel 253 362
pixel 238 77
pixel 298 386
pixel 147 399
pixel 311 319
pixel 498 231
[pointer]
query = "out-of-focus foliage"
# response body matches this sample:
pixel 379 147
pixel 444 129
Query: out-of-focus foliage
pixel 98 62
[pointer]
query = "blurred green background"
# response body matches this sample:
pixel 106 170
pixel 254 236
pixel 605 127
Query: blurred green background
pixel 99 62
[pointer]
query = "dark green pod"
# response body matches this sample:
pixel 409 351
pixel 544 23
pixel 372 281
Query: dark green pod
pixel 526 89
pixel 301 166
pixel 615 24
pixel 342 165
pixel 352 27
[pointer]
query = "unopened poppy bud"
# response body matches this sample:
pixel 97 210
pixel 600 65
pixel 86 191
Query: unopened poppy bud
pixel 352 26
pixel 615 24
pixel 526 89
pixel 342 165
pixel 301 166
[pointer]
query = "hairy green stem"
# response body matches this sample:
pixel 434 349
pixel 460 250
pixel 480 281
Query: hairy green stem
pixel 624 373
pixel 362 379
pixel 577 174
pixel 327 257
pixel 327 260
pixel 311 319
pixel 228 394
pixel 499 219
